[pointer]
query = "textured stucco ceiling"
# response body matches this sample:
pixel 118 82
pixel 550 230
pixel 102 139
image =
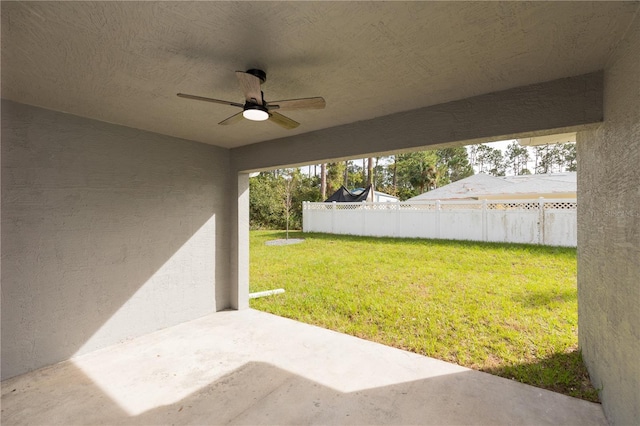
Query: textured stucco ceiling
pixel 124 62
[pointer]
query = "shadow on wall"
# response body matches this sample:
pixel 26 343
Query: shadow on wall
pixel 107 233
pixel 261 393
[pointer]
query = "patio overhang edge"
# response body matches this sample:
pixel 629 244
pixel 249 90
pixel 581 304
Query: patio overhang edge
pixel 559 106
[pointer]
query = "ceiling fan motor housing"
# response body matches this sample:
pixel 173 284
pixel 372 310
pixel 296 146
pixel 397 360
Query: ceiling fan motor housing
pixel 258 73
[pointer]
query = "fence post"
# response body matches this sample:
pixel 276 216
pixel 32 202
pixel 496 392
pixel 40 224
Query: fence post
pixel 364 217
pixel 333 217
pixel 485 225
pixel 305 217
pixel 438 206
pixel 541 221
pixel 396 215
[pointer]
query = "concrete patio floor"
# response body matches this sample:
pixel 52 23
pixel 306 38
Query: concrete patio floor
pixel 249 367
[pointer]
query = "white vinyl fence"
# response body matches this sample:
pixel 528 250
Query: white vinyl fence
pixel 543 221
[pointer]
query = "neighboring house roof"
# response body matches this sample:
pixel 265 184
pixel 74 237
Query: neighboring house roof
pixel 543 184
pixel 468 187
pixel 570 177
pixel 483 186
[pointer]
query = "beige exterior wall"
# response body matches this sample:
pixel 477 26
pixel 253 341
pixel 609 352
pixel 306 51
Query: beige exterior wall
pixel 107 233
pixel 609 239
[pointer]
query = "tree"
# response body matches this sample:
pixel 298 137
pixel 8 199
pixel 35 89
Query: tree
pixel 555 158
pixel 345 181
pixel 335 176
pixel 265 209
pixel 570 157
pixel 383 175
pixel 402 175
pixel 454 164
pixel 323 181
pixel 270 201
pixel 394 181
pixel 356 175
pixel 544 159
pixel 489 160
pixel 496 162
pixel 289 180
pixel 518 158
pixel 480 154
pixel 418 170
pixel 472 150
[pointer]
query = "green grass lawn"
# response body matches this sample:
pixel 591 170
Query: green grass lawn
pixel 507 309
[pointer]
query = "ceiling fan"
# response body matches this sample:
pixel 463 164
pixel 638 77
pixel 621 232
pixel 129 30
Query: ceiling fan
pixel 255 107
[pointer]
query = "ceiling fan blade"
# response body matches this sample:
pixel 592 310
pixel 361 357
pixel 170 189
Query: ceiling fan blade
pixel 250 85
pixel 215 101
pixel 283 121
pixel 304 103
pixel 233 119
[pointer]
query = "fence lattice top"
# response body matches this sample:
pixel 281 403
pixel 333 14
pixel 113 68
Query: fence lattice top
pixel 516 205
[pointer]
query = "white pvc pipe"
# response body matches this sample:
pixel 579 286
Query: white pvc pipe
pixel 266 293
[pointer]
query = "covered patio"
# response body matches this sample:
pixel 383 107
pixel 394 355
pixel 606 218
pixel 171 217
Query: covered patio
pixel 249 367
pixel 125 208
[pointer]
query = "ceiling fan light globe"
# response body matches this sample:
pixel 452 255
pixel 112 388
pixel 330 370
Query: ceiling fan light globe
pixel 255 114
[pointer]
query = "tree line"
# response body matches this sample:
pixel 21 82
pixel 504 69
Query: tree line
pixel 276 196
pixel 523 160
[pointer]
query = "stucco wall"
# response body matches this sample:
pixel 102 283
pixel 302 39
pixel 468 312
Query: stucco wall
pixel 558 106
pixel 107 233
pixel 609 239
